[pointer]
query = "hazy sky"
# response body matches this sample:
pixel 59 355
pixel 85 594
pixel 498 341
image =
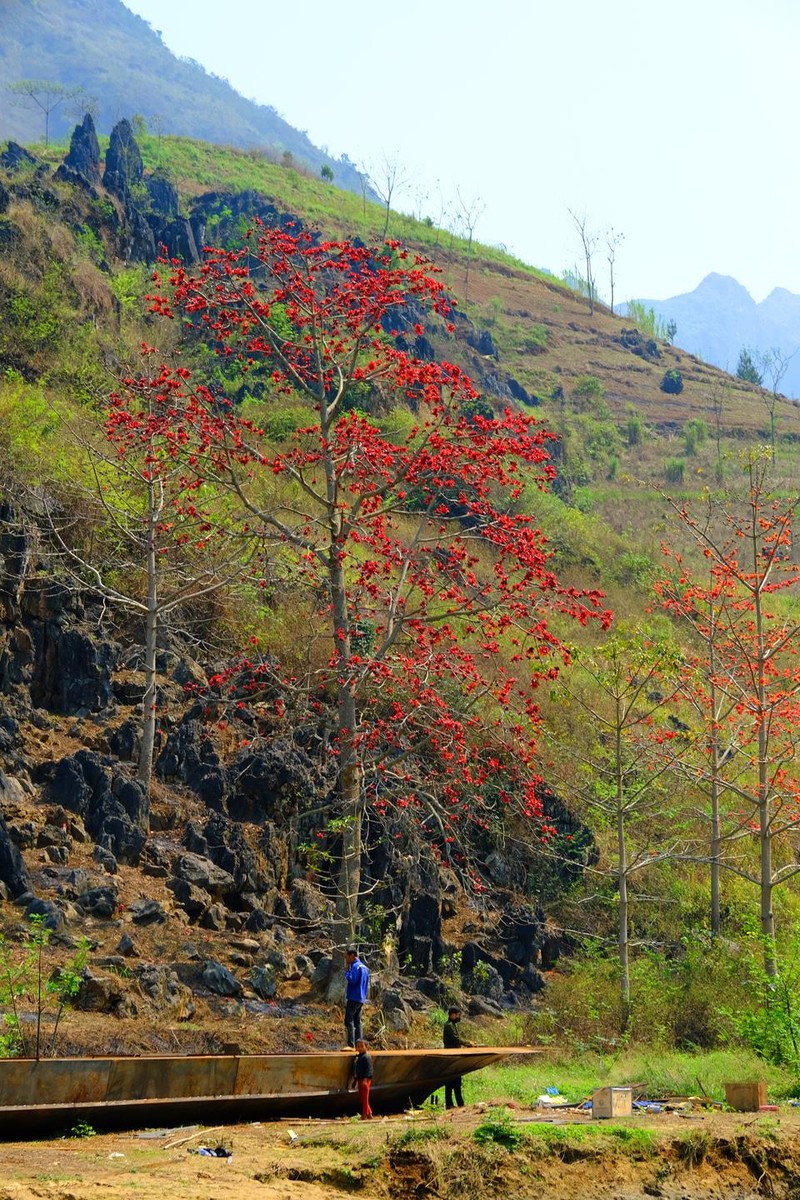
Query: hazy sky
pixel 674 123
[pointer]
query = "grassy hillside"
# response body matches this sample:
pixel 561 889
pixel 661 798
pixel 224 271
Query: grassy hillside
pixel 73 315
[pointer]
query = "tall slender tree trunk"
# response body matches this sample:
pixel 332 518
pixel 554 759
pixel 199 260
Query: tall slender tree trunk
pixel 145 770
pixel 765 813
pixel 715 847
pixel 622 885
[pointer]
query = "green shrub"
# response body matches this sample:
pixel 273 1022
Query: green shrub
pixel 588 392
pixel 672 381
pixel 633 429
pixel 499 1128
pixel 674 470
pixel 695 434
pixel 535 340
pixel 422 1134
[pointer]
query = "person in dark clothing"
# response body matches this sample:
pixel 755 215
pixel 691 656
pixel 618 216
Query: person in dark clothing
pixel 452 1040
pixel 362 1074
pixel 356 988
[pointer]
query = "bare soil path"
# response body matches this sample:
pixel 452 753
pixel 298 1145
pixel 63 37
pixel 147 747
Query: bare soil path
pixel 702 1156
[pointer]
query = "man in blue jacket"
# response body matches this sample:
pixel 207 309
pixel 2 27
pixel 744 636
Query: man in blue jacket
pixel 355 994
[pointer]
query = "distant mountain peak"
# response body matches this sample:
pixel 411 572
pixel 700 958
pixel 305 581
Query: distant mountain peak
pixel 720 318
pixel 723 286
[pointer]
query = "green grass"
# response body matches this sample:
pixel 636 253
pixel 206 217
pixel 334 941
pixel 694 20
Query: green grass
pixel 663 1073
pixel 197 167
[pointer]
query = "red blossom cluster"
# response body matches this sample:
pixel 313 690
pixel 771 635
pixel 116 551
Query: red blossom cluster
pixel 432 580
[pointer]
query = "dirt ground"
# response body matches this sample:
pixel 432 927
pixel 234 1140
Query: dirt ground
pixel 698 1156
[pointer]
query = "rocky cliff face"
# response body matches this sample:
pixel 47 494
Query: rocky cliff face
pixel 218 848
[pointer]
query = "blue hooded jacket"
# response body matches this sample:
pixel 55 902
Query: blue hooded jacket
pixel 357 977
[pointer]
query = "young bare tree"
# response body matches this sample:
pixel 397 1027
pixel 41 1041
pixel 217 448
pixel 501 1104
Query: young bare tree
pixel 613 240
pixel 388 180
pixel 718 397
pixel 774 364
pixel 588 245
pixel 752 694
pixel 469 213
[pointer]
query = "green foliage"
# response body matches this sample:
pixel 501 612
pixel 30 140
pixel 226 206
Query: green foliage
pixel 499 1128
pixel 23 983
pixel 81 1129
pixel 326 173
pixel 674 470
pixel 588 393
pixel 695 434
pixel 417 1136
pixel 279 424
pixel 129 286
pixel 535 340
pixel 693 1147
pixel 746 368
pixel 772 1027
pixel 648 323
pixel 672 381
pixel 29 422
pixel 634 429
pixel 633 569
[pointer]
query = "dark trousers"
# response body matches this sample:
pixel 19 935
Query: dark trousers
pixel 352 1021
pixel 363 1086
pixel 452 1094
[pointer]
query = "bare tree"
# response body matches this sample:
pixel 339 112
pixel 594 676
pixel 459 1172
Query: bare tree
pixel 718 397
pixel 774 364
pixel 589 245
pixel 469 213
pixel 613 239
pixel 388 179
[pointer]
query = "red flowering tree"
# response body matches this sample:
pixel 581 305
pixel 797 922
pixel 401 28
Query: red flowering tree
pixel 164 546
pixel 431 583
pixel 746 677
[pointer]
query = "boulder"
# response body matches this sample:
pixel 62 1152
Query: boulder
pixel 100 902
pixel 215 917
pixel 264 981
pixel 51 914
pixel 218 979
pixel 161 986
pixel 203 873
pixel 13 872
pixel 115 808
pixel 127 947
pixel 103 993
pixel 397 1014
pixel 193 900
pixel 147 912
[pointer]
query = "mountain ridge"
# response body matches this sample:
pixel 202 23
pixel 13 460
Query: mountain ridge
pixel 720 318
pixel 113 54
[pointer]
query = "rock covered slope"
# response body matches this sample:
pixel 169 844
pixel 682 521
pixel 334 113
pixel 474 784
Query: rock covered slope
pixel 201 901
pixel 195 901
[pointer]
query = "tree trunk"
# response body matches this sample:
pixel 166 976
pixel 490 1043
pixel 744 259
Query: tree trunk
pixel 145 770
pixel 622 888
